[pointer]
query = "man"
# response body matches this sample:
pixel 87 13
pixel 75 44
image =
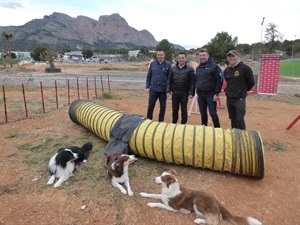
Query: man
pixel 181 86
pixel 240 80
pixel 208 85
pixel 156 84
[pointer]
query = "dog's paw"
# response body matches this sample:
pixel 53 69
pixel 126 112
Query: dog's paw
pixel 56 185
pixel 130 193
pixel 124 192
pixel 199 221
pixel 143 194
pixel 152 204
pixel 49 182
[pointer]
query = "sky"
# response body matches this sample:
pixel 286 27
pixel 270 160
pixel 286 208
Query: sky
pixel 189 23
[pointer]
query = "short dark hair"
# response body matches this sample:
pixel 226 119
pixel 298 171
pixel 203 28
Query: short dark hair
pixel 160 50
pixel 181 53
pixel 204 50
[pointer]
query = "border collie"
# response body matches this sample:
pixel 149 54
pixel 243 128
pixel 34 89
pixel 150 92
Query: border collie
pixel 117 170
pixel 63 164
pixel 208 210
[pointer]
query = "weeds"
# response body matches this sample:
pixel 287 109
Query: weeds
pixel 276 146
pixel 106 95
pixel 279 146
pixel 14 135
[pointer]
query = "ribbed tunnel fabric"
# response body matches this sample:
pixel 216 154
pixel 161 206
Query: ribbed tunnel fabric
pixel 232 150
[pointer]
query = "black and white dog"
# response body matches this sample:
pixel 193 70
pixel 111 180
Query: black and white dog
pixel 63 164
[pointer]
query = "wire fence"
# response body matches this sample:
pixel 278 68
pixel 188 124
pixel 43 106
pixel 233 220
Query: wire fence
pixel 27 97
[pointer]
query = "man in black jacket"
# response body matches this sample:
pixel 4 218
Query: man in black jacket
pixel 208 85
pixel 181 86
pixel 240 80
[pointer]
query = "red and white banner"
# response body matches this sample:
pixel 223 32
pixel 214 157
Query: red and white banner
pixel 269 71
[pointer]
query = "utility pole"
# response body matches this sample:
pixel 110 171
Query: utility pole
pixel 293 56
pixel 261 33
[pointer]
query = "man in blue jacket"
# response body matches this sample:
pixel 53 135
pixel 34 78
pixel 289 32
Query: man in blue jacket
pixel 208 86
pixel 181 86
pixel 156 84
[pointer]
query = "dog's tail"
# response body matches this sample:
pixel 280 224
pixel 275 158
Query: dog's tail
pixel 237 220
pixel 87 146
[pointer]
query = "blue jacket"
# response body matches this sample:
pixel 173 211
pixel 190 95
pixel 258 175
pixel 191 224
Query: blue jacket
pixel 157 76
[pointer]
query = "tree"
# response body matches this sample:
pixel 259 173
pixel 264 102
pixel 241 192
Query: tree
pixel 49 56
pixel 37 52
pixel 220 45
pixel 244 49
pixel 42 53
pixel 87 53
pixel 272 37
pixel 144 51
pixel 168 49
pixel 8 38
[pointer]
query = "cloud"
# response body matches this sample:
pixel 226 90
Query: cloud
pixel 11 5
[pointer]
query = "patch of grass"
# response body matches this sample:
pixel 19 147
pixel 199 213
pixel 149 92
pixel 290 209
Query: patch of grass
pixel 118 69
pixel 293 100
pixel 46 144
pixel 36 159
pixel 106 95
pixel 287 68
pixel 42 150
pixel 13 135
pixel 276 146
pixel 108 68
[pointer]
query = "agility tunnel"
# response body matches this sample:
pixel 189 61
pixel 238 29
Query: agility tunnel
pixel 235 151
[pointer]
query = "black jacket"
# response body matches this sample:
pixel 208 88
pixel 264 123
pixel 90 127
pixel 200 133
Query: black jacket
pixel 181 80
pixel 209 77
pixel 239 80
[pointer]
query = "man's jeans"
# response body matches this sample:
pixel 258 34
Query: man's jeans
pixel 205 99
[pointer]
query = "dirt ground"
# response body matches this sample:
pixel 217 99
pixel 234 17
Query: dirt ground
pixel 25 197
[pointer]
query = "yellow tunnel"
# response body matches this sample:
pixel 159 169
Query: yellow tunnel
pixel 235 151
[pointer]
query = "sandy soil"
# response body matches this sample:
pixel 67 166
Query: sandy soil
pixel 88 198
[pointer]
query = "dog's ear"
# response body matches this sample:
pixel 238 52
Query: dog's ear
pixel 171 171
pixel 106 161
pixel 61 149
pixel 170 180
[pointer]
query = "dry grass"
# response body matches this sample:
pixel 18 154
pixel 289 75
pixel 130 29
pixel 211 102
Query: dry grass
pixel 79 67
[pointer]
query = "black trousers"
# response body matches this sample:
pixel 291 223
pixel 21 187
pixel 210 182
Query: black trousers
pixel 162 97
pixel 237 110
pixel 180 100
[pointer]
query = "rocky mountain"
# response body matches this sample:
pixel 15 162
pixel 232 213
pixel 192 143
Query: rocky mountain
pixel 60 31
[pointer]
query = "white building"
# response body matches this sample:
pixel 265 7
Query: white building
pixel 133 53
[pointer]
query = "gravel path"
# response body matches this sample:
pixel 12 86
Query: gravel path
pixel 116 80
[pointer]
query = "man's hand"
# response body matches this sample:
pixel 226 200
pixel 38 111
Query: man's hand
pixel 216 98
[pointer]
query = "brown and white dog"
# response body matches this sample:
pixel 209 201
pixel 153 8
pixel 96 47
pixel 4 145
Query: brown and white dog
pixel 117 169
pixel 208 210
